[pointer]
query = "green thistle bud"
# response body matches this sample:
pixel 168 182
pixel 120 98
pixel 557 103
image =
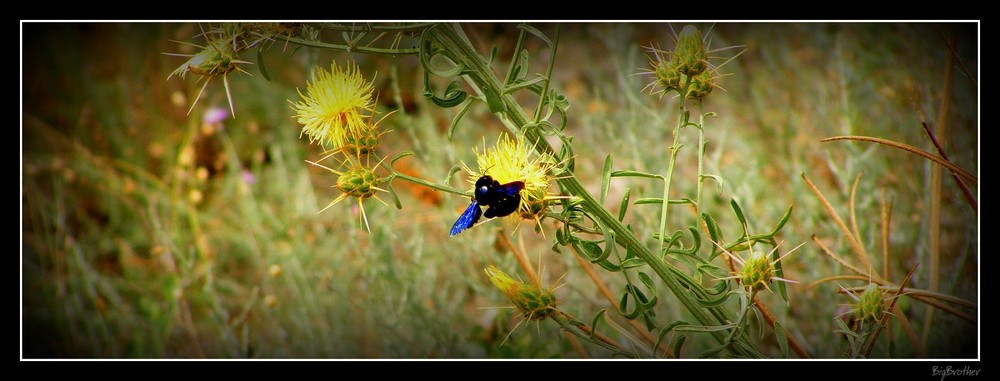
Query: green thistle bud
pixel 668 76
pixel 358 182
pixel 534 204
pixel 362 143
pixel 689 57
pixel 701 86
pixel 757 271
pixel 870 304
pixel 534 302
pixel 216 58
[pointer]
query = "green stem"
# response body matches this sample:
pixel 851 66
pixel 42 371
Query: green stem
pixel 701 155
pixel 358 49
pixel 572 326
pixel 548 76
pixel 481 75
pixel 675 147
pixel 367 27
pixel 419 181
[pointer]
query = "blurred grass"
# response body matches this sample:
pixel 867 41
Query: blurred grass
pixel 148 233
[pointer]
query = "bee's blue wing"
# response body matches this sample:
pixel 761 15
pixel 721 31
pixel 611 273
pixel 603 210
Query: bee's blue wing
pixel 512 188
pixel 468 218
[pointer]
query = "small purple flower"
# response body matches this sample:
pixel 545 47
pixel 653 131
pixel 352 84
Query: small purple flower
pixel 247 176
pixel 215 115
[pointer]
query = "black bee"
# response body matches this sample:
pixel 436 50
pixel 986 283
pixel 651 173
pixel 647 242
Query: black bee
pixel 502 200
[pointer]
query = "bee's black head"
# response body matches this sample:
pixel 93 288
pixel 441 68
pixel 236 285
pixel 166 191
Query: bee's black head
pixel 483 186
pixel 485 180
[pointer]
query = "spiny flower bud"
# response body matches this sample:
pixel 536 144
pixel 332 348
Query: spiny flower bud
pixel 358 182
pixel 214 59
pixel 870 304
pixel 363 143
pixel 689 57
pixel 701 86
pixel 534 302
pixel 757 271
pixel 534 205
pixel 667 75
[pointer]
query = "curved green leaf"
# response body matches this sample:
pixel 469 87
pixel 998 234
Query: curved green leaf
pixel 665 330
pixel 631 173
pixel 659 201
pixel 715 233
pixel 428 51
pixel 780 273
pixel 677 345
pixel 760 321
pixel 703 328
pixel 633 263
pixel 451 172
pixel 605 178
pixel 493 100
pixel 647 281
pixel 519 85
pixel 779 335
pixel 461 113
pixel 712 352
pixel 624 205
pixel 739 212
pixel 261 66
pixel 712 270
pixel 493 54
pixel 400 156
pixel 536 32
pixel 708 303
pixel 453 96
pixel 597 318
pixel 783 221
pixel 395 198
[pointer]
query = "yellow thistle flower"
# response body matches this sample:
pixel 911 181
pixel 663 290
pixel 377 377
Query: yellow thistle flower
pixel 510 160
pixel 331 110
pixel 533 302
pixel 358 182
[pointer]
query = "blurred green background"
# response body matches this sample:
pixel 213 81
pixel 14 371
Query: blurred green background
pixel 153 234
